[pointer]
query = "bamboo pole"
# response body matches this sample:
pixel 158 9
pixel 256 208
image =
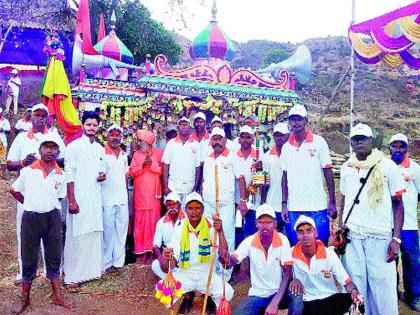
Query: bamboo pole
pixel 215 236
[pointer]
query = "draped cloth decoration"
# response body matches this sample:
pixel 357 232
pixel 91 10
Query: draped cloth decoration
pixel 56 95
pixel 83 27
pixel 391 38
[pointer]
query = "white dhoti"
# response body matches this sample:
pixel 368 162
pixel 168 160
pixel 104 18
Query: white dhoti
pixel 115 220
pixel 12 99
pixel 82 256
pixel 158 271
pixel 365 261
pixel 196 280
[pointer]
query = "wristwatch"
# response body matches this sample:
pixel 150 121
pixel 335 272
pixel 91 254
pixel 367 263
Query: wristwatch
pixel 397 239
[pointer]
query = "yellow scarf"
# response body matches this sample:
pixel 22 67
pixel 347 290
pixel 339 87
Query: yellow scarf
pixel 204 242
pixel 375 183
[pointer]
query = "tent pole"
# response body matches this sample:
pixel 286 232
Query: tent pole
pixel 353 7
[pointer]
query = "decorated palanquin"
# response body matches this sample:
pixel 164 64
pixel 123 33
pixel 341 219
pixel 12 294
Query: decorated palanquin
pixel 158 94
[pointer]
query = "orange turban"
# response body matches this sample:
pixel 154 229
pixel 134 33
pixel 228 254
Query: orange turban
pixel 146 136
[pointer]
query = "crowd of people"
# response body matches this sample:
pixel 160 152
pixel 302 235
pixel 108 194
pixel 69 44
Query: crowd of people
pixel 202 184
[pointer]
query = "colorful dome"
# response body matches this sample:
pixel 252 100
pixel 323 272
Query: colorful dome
pixel 111 46
pixel 212 42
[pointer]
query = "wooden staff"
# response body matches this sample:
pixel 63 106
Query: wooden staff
pixel 213 254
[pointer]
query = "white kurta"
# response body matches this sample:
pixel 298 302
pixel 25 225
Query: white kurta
pixel 4 126
pixel 83 247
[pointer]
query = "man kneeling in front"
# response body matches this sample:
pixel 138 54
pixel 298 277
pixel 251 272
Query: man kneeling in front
pixel 270 266
pixel 317 269
pixel 190 248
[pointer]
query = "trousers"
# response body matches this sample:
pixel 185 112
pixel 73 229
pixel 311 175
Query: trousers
pixel 36 227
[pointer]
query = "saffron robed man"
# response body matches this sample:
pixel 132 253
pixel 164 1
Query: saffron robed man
pixel 190 249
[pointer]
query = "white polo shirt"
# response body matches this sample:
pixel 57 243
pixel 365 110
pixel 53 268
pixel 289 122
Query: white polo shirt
pixel 114 188
pixel 265 267
pixel 272 164
pixel 203 145
pixel 317 275
pixel 23 124
pixel 244 165
pixel 5 125
pixel 304 165
pixel 183 159
pixel 41 191
pixel 165 229
pixel 195 266
pixel 28 142
pixel 410 172
pixel 228 173
pixel 364 220
pixel 207 149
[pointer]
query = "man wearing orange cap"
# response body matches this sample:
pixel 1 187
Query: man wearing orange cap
pixel 146 169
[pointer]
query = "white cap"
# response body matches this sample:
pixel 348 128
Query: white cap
pixel 193 197
pixel 184 119
pixel 399 137
pixel 173 196
pixel 361 130
pixel 298 110
pixel 265 209
pixel 50 137
pixel 170 128
pixel 40 107
pixel 114 127
pixel 215 119
pixel 217 132
pixel 28 109
pixel 246 129
pixel 283 128
pixel 200 115
pixel 303 219
pixel 14 71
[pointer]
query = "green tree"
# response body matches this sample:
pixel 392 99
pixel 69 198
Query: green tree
pixel 135 27
pixel 274 55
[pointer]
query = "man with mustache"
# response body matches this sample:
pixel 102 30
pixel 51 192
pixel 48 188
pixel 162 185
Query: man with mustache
pixel 115 201
pixel 375 222
pixel 228 172
pixel 85 171
pixel 165 229
pixel 410 172
pixel 39 189
pixel 181 163
pixel 306 162
pixel 23 152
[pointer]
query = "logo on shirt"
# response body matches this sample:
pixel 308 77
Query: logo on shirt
pixel 407 177
pixel 57 185
pixel 312 152
pixel 327 273
pixel 226 165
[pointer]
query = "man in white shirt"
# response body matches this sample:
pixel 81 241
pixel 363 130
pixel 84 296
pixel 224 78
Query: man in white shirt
pixel 39 188
pixel 410 172
pixel 4 129
pixel 375 222
pixel 272 165
pixel 228 172
pixel 270 266
pixel 250 121
pixel 13 87
pixel 181 163
pixel 24 124
pixel 23 152
pixel 190 248
pixel 85 170
pixel 306 162
pixel 115 201
pixel 165 229
pixel 317 272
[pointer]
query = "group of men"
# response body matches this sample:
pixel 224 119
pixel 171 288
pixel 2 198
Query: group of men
pixel 203 179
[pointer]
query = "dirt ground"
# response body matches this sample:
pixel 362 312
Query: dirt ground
pixel 129 292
